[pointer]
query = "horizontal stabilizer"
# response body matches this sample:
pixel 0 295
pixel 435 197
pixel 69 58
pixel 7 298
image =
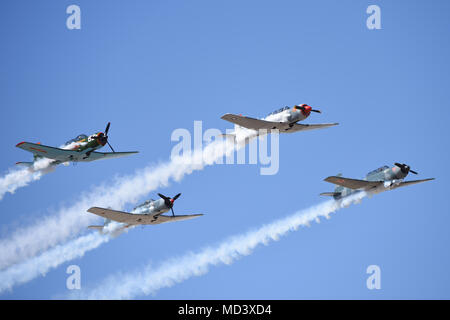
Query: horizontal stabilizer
pixel 99 228
pixel 25 164
pixel 330 194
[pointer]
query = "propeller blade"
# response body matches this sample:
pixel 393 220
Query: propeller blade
pixel 107 128
pixel 163 196
pixel 167 201
pixel 109 145
pixel 176 197
pixel 173 214
pixel 405 168
pixel 303 109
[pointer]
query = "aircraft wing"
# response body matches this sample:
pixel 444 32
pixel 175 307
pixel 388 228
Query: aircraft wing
pixel 353 183
pixel 258 124
pixel 49 152
pixel 106 155
pixel 408 183
pixel 136 219
pixel 304 127
pixel 163 219
pixel 119 216
pixel 250 123
pixel 63 155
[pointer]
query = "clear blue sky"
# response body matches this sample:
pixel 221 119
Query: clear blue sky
pixel 150 67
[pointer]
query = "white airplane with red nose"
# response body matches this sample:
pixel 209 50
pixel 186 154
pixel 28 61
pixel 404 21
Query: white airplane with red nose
pixel 285 120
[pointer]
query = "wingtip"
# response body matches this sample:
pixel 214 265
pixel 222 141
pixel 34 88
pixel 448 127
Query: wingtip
pixel 20 143
pixel 93 209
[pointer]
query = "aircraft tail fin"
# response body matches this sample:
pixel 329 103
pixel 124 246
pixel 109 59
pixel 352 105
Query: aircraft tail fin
pixel 337 190
pixel 229 136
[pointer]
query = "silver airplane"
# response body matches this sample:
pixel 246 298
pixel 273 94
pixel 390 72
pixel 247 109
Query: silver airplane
pixel 285 120
pixel 382 179
pixel 150 212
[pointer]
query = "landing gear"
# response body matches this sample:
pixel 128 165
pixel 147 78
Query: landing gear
pixel 87 155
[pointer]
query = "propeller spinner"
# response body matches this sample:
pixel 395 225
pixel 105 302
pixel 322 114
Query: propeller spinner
pixel 169 201
pixel 103 137
pixel 405 168
pixel 306 108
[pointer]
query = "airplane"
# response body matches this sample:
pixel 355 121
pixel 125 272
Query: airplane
pixel 285 120
pixel 80 149
pixel 151 212
pixel 382 179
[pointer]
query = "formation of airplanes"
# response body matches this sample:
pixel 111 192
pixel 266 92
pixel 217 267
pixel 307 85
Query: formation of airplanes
pixel 151 212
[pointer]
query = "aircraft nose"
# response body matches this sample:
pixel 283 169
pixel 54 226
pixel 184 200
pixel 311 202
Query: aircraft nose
pixel 306 110
pixel 101 138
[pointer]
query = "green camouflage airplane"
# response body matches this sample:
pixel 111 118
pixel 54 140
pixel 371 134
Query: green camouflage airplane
pixel 80 149
pixel 148 213
pixel 376 181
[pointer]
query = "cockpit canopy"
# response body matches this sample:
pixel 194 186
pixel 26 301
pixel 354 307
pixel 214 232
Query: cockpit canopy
pixel 145 204
pixel 378 170
pixel 78 138
pixel 279 110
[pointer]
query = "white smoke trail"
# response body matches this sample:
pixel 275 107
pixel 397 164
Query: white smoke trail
pixel 138 283
pixel 52 258
pixel 18 178
pixel 40 265
pixel 28 241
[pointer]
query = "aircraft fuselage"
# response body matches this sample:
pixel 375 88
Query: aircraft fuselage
pixel 289 115
pixel 392 177
pixel 151 207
